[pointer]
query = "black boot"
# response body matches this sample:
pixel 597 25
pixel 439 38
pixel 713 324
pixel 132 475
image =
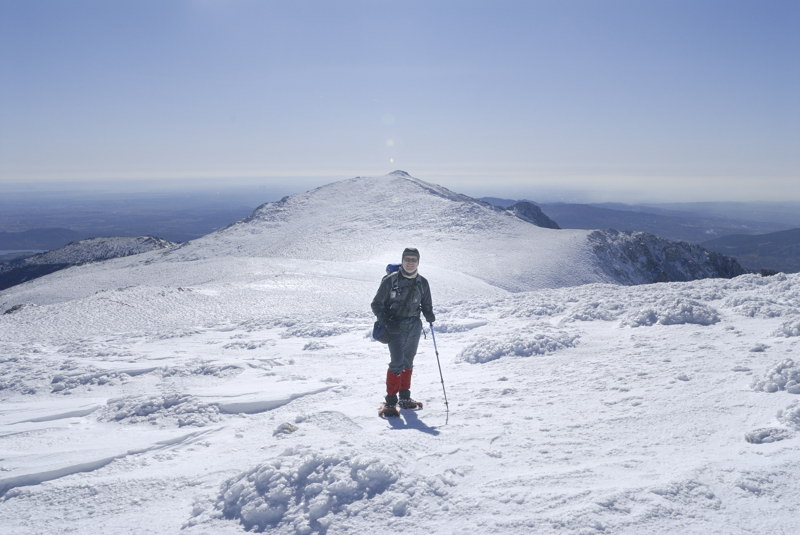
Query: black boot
pixel 407 403
pixel 389 409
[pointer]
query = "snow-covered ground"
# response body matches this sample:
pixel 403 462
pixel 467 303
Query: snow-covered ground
pixel 218 393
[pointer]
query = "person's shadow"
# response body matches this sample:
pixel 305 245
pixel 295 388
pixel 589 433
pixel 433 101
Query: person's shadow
pixel 410 420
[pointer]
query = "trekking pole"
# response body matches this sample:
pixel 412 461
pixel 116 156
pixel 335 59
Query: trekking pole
pixel 447 406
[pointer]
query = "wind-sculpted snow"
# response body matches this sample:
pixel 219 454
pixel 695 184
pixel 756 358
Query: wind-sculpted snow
pixel 72 375
pixel 790 416
pixel 317 346
pixel 783 376
pixel 458 326
pixel 672 311
pixel 789 328
pixel 316 330
pixel 204 368
pixel 526 343
pixel 303 492
pixel 766 435
pixel 691 491
pixel 23 374
pixel 176 409
pixel 757 307
pixel 529 306
pixel 594 310
pixel 61 469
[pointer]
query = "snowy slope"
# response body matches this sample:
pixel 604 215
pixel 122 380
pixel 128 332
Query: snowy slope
pixel 231 385
pixel 77 253
pixel 95 250
pixel 668 408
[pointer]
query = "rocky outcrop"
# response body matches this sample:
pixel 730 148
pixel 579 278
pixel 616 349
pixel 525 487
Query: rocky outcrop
pixel 527 211
pixel 642 258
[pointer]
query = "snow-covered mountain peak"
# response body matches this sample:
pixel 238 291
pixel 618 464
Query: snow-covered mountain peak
pixel 354 227
pixel 407 198
pixel 372 219
pixel 370 210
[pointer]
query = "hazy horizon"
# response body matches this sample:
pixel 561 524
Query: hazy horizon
pixel 573 100
pixel 274 188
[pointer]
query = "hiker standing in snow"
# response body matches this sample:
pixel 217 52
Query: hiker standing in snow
pixel 398 302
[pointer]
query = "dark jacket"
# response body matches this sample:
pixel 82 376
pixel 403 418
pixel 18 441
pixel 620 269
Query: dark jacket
pixel 392 302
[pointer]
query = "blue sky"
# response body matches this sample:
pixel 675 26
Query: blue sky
pixel 583 100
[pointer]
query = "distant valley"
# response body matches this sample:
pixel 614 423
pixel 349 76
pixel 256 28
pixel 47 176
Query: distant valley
pixel 776 251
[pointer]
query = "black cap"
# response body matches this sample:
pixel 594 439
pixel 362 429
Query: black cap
pixel 410 251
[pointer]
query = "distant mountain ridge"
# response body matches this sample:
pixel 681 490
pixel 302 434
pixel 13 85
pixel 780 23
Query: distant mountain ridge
pixel 641 258
pixel 368 221
pixel 528 211
pixel 40 238
pixel 373 218
pixel 671 224
pixel 757 245
pixel 776 251
pixel 75 254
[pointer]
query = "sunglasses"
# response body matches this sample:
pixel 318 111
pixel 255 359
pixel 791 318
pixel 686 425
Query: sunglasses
pixel 411 259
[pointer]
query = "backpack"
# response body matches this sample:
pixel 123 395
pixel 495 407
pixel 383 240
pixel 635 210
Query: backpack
pixel 391 268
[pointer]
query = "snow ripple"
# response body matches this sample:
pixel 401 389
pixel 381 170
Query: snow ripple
pixel 35 477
